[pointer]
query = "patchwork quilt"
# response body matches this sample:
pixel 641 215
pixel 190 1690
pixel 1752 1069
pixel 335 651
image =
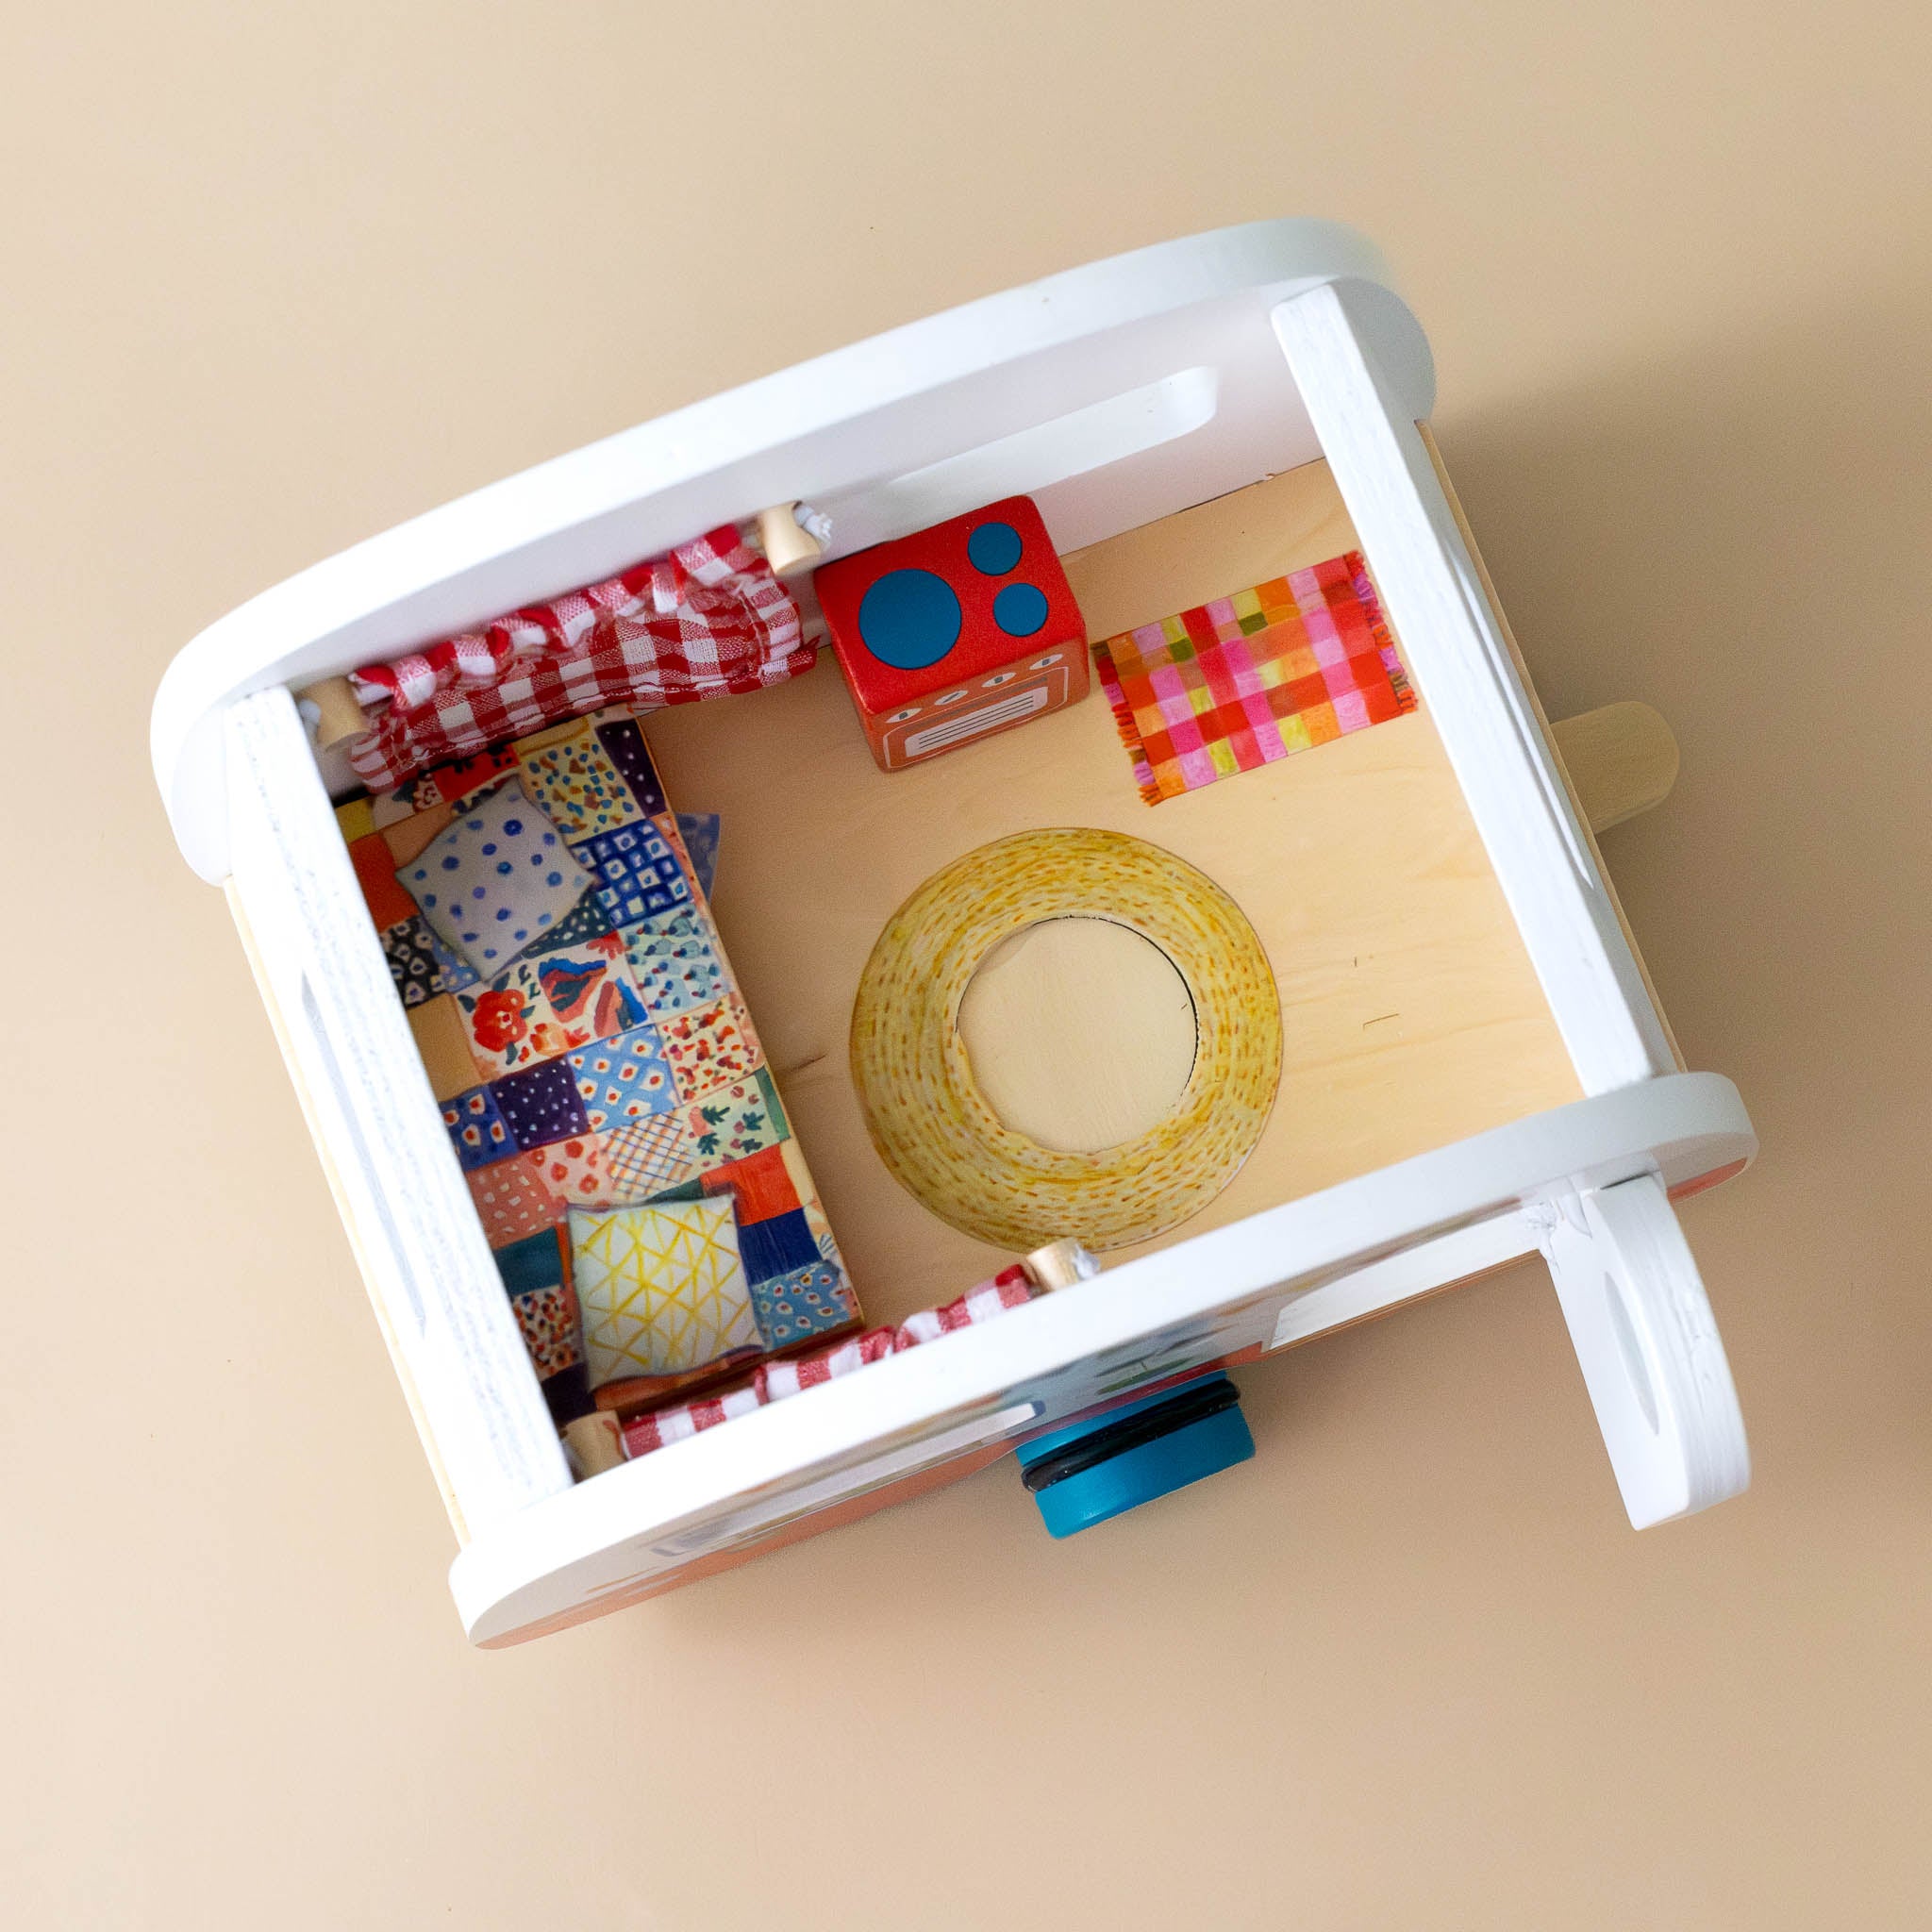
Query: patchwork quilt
pixel 548 931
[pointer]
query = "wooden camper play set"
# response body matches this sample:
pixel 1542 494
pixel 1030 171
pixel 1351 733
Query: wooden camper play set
pixel 1038 1051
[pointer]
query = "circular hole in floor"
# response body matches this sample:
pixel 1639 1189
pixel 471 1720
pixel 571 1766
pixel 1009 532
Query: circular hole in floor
pixel 1080 1033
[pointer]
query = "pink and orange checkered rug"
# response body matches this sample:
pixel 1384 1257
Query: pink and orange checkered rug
pixel 1252 678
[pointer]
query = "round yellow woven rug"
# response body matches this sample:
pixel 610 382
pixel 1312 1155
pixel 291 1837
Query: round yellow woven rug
pixel 933 1126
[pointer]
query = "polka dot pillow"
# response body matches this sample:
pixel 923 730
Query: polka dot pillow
pixel 498 879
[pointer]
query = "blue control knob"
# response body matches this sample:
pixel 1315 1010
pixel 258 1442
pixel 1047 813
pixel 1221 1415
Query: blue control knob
pixel 1110 1463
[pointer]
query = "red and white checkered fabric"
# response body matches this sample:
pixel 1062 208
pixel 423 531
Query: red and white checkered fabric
pixel 662 1426
pixel 708 618
pixel 1008 1290
pixel 777 1381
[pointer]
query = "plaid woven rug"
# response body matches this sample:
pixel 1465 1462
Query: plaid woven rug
pixel 1252 678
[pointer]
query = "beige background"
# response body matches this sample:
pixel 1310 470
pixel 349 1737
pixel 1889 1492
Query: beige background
pixel 275 280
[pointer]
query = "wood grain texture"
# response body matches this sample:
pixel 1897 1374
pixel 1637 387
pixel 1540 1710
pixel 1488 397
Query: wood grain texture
pixel 1043 1020
pixel 339 712
pixel 1410 1013
pixel 1622 759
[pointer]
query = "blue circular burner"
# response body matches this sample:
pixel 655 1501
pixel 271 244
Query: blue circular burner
pixel 994 549
pixel 1020 609
pixel 909 619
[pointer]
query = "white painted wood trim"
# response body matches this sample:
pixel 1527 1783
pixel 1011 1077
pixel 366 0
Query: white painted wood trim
pixel 1462 663
pixel 1417 1270
pixel 1115 394
pixel 1639 1320
pixel 412 1221
pixel 1648 1347
pixel 782 1507
pixel 1150 1318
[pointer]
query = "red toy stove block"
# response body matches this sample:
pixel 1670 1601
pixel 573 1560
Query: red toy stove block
pixel 954 633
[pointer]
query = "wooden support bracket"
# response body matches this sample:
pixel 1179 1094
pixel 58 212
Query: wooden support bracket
pixel 1622 759
pixel 1647 1344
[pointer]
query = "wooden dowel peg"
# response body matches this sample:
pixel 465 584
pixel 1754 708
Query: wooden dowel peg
pixel 1622 759
pixel 789 546
pixel 332 711
pixel 1059 1264
pixel 594 1443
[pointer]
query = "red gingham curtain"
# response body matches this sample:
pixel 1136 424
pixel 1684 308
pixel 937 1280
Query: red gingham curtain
pixel 709 618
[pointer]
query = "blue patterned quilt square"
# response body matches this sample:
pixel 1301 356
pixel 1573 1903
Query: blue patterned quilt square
pixel 540 1104
pixel 477 1129
pixel 699 831
pixel 421 966
pixel 781 1245
pixel 637 874
pixel 808 1301
pixel 623 1078
pixel 674 976
pixel 624 744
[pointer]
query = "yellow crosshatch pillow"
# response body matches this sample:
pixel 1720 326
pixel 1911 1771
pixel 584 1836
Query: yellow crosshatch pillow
pixel 662 1289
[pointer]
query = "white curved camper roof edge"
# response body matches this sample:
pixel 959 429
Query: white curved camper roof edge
pixel 803 432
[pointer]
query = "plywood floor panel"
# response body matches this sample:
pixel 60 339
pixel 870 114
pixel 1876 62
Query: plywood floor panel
pixel 1410 1013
